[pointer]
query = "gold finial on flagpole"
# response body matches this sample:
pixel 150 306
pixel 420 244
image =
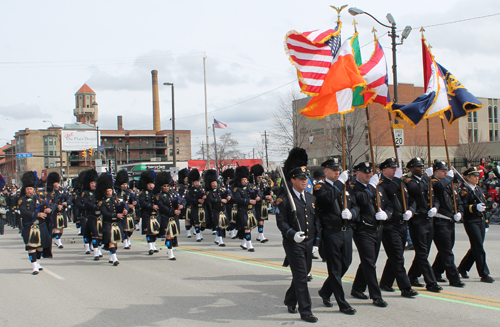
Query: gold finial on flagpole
pixel 374 31
pixel 355 23
pixel 429 46
pixel 338 11
pixel 422 31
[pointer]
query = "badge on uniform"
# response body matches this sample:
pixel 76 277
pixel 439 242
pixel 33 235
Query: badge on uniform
pixel 317 187
pixel 279 200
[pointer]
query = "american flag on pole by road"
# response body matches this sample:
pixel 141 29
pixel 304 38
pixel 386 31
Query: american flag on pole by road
pixel 218 124
pixel 312 53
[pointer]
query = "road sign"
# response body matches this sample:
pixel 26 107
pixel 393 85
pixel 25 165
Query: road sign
pixel 98 163
pixel 398 126
pixel 25 155
pixel 101 147
pixel 399 137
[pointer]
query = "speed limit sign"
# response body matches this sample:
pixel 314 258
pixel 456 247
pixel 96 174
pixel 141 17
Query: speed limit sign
pixel 399 137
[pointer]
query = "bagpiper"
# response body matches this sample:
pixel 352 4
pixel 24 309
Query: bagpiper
pixel 58 203
pixel 195 199
pixel 128 197
pixel 149 210
pixel 93 220
pixel 261 211
pixel 217 199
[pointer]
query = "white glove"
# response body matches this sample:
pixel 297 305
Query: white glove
pixel 486 230
pixel 450 173
pixel 481 207
pixel 407 215
pixel 299 237
pixel 429 171
pixel 315 249
pixel 343 177
pixel 346 214
pixel 398 173
pixel 374 181
pixel 431 213
pixel 457 216
pixel 381 215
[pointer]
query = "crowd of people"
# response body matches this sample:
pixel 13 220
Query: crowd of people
pixel 318 214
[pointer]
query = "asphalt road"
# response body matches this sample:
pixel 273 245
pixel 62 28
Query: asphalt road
pixel 210 286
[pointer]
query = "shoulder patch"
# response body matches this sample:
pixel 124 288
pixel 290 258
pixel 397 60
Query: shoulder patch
pixel 408 180
pixel 463 192
pixel 235 189
pixel 100 203
pixel 279 200
pixel 317 187
pixel 352 186
pixel 313 205
pixel 434 180
pixel 20 201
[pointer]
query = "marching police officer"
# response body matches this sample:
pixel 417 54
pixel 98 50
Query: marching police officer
pixel 421 227
pixel 444 222
pixel 368 233
pixel 299 232
pixel 336 231
pixel 394 232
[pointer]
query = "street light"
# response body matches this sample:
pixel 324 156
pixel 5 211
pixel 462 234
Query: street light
pixel 356 11
pixel 48 121
pixel 173 124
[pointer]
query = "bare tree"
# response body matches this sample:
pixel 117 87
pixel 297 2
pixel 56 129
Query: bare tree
pixel 469 148
pixel 227 152
pixel 290 127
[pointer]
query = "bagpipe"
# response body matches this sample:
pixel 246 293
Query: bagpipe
pixel 253 193
pixel 201 210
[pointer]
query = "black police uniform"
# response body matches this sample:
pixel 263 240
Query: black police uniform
pixel 336 236
pixel 368 236
pixel 394 233
pixel 299 255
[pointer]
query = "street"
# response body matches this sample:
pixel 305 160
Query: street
pixel 209 286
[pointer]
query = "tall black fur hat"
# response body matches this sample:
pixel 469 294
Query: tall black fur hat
pixel 183 173
pixel 132 184
pixel 256 170
pixel 104 182
pixel 146 178
pixel 209 176
pixel 90 176
pixel 51 179
pixel 162 178
pixel 297 157
pixel 240 172
pixel 194 175
pixel 28 180
pixel 121 177
pixel 228 174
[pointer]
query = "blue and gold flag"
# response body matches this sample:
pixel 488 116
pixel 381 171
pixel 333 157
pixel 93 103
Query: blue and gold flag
pixel 461 100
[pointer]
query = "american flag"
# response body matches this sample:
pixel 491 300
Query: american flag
pixel 218 124
pixel 312 54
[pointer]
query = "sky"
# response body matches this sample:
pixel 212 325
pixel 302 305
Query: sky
pixel 49 49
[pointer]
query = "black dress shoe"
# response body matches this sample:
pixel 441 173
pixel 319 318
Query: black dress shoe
pixel 326 300
pixel 440 279
pixel 96 258
pixel 291 308
pixel 487 279
pixel 415 282
pixel 434 288
pixel 459 284
pixel 348 311
pixel 409 293
pixel 463 273
pixel 386 288
pixel 309 318
pixel 359 295
pixel 380 303
pixel 151 252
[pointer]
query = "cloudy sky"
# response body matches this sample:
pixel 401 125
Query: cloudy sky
pixel 49 49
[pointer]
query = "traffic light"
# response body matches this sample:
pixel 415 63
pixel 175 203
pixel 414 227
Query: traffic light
pixel 91 152
pixel 84 153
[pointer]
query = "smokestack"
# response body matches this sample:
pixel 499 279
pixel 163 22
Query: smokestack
pixel 156 102
pixel 120 123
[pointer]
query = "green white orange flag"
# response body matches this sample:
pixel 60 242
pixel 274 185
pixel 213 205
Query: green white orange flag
pixel 357 99
pixel 336 94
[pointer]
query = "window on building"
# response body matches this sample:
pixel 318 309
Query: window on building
pixel 147 152
pixel 87 119
pixel 105 140
pixel 45 141
pixel 46 152
pixel 140 140
pixel 140 152
pixel 171 152
pixel 176 140
pixel 51 153
pixel 177 151
pixel 119 140
pixel 170 140
pixel 50 141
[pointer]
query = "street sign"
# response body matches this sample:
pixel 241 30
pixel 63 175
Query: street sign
pixel 398 126
pixel 98 163
pixel 101 147
pixel 25 155
pixel 399 137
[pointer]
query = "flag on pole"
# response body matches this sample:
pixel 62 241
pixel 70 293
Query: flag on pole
pixel 312 54
pixel 461 100
pixel 357 97
pixel 3 182
pixel 377 81
pixel 218 124
pixel 336 94
pixel 433 102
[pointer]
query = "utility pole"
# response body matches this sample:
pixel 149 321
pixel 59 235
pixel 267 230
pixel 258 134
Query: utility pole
pixel 203 150
pixel 206 110
pixel 267 158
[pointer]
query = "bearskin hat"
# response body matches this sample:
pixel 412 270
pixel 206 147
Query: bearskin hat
pixel 121 177
pixel 132 184
pixel 162 178
pixel 194 175
pixel 78 184
pixel 90 176
pixel 104 182
pixel 51 179
pixel 297 157
pixel 28 180
pixel 240 172
pixel 75 183
pixel 183 173
pixel 228 174
pixel 146 178
pixel 256 170
pixel 209 176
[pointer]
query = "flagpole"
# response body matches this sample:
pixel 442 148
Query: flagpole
pixel 449 165
pixel 206 109
pixel 215 145
pixel 343 156
pixel 429 159
pixel 367 110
